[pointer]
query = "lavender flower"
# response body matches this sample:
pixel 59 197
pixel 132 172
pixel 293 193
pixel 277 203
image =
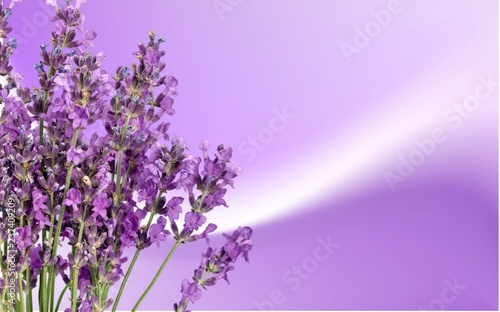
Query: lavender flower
pixel 190 290
pixel 102 195
pixel 157 232
pixel 215 266
pixel 24 237
pixel 75 155
pixel 73 198
pixel 101 205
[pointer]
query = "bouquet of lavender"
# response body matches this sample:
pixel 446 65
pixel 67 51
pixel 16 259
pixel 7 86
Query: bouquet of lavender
pixel 72 202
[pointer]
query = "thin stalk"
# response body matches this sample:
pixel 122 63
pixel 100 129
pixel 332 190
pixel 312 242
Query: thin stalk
pixel 29 290
pixel 29 293
pixel 42 289
pixel 160 270
pixel 75 271
pixel 74 287
pixel 63 208
pixel 51 289
pixel 43 286
pixel 21 296
pixel 48 293
pixel 55 241
pixel 42 295
pixel 127 275
pixel 52 215
pixel 94 280
pixel 127 173
pixel 119 164
pixel 136 255
pixel 20 276
pixel 60 297
pixel 118 182
pixel 1 262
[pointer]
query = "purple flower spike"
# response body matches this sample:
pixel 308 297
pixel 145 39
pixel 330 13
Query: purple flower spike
pixel 100 193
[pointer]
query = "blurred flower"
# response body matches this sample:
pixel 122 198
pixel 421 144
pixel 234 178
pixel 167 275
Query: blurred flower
pixel 190 290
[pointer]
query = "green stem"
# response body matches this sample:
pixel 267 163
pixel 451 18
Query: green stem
pixel 49 297
pixel 125 279
pixel 21 296
pixel 43 287
pixel 160 270
pixel 74 287
pixel 29 293
pixel 55 241
pixel 94 280
pixel 118 178
pixel 60 297
pixel 136 255
pixel 63 208
pixel 76 271
pixel 119 164
pixel 127 173
pixel 52 215
pixel 29 290
pixel 20 276
pixel 118 183
pixel 42 293
pixel 4 297
pixel 50 288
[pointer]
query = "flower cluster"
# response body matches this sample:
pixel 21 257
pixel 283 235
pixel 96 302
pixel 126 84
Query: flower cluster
pixel 102 195
pixel 215 266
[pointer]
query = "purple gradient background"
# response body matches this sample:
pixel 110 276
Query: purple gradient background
pixel 396 248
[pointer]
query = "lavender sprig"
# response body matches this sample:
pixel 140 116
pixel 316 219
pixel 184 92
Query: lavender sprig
pixel 103 195
pixel 215 266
